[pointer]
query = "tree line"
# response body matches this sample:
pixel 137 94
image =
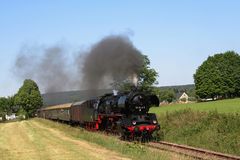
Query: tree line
pixel 172 94
pixel 219 76
pixel 25 102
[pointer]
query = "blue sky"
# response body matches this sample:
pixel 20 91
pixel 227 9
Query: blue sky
pixel 176 35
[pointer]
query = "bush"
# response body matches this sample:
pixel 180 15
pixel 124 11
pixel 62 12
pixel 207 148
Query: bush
pixel 3 118
pixel 22 114
pixel 214 131
pixel 192 99
pixel 183 100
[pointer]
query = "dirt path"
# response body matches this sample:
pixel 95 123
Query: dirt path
pixel 29 140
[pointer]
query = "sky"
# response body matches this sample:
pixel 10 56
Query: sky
pixel 176 35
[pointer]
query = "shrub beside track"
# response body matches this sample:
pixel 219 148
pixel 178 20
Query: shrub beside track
pixel 210 130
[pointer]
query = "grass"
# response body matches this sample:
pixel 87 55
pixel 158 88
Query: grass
pixel 211 130
pixel 221 106
pixel 212 125
pixel 132 150
pixel 27 141
pixel 44 139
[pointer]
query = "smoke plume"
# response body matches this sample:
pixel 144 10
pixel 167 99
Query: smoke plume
pixel 49 69
pixel 113 59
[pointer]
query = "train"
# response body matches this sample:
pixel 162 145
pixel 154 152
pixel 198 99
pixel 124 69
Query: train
pixel 124 113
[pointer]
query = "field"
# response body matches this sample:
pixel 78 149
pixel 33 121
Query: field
pixel 31 140
pixel 211 130
pixel 211 125
pixel 221 106
pixel 40 139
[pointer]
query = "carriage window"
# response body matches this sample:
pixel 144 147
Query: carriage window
pixel 95 104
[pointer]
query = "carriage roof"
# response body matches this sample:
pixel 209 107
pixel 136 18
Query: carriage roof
pixel 61 106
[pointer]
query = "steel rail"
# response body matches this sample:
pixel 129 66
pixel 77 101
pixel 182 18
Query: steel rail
pixel 192 151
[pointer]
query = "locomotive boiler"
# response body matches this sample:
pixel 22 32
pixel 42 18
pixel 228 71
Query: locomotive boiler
pixel 124 113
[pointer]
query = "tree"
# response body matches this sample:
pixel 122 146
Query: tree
pixel 10 105
pixel 3 106
pixel 219 76
pixel 6 105
pixel 28 97
pixel 147 77
pixel 167 95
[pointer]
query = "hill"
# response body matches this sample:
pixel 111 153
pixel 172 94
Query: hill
pixel 71 96
pixel 179 87
pixel 79 95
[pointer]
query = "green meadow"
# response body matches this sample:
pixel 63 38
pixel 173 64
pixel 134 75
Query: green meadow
pixel 221 106
pixel 211 125
pixel 210 130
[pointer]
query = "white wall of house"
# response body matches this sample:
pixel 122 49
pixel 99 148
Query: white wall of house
pixel 10 117
pixel 184 96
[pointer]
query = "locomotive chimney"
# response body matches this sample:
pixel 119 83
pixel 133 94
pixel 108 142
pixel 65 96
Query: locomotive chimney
pixel 134 79
pixel 115 92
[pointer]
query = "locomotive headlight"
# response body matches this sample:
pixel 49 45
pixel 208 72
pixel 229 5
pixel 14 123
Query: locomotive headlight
pixel 134 122
pixel 154 122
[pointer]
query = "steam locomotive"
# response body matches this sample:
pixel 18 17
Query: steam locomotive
pixel 124 113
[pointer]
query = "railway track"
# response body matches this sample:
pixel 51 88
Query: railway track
pixel 192 151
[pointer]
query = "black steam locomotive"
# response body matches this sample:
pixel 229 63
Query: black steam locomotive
pixel 120 113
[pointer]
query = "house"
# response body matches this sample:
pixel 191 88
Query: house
pixel 183 98
pixel 10 117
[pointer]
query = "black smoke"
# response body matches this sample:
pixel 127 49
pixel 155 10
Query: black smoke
pixel 112 59
pixel 49 69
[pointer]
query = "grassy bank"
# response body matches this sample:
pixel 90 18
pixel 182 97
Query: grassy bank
pixel 132 150
pixel 210 130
